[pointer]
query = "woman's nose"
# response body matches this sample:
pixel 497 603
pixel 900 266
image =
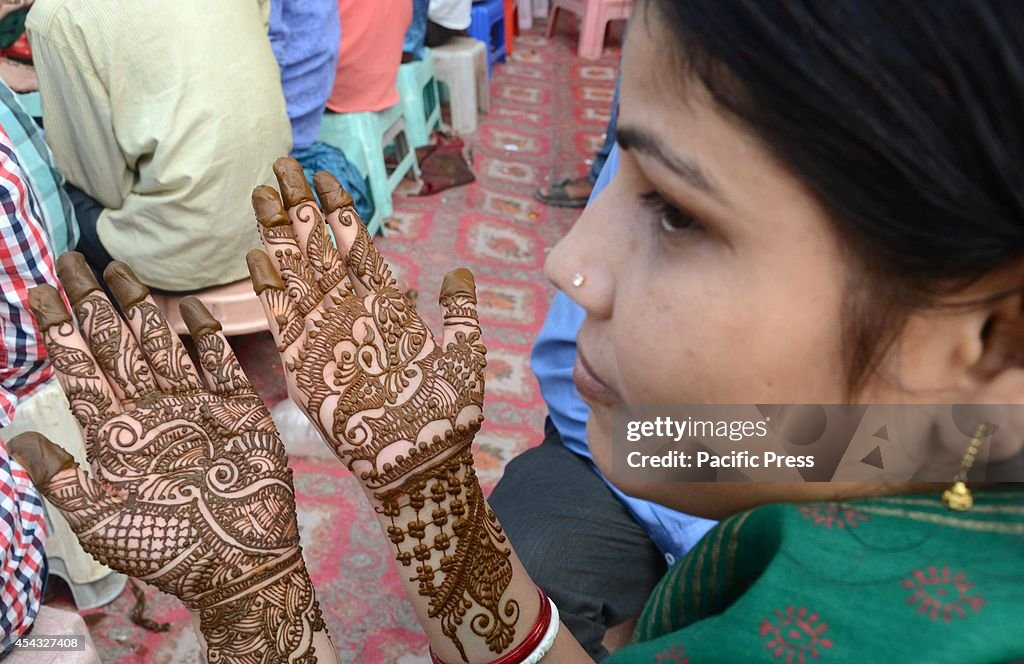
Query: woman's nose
pixel 581 264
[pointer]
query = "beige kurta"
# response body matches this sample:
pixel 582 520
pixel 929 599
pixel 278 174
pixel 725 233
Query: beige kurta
pixel 168 114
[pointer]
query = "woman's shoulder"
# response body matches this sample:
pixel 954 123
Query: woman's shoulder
pixel 842 577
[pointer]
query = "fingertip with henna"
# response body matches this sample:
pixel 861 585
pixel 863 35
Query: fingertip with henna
pixel 76 276
pixel 269 208
pixel 459 282
pixel 198 319
pixel 47 306
pixel 292 180
pixel 41 458
pixel 126 287
pixel 263 273
pixel 330 192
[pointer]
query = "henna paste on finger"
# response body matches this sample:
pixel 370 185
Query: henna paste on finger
pixel 197 318
pixel 109 339
pixel 401 413
pixel 86 389
pixel 192 492
pixel 48 307
pixel 292 181
pixel 366 268
pixel 332 195
pixel 286 324
pixel 308 221
pixel 40 460
pixel 162 349
pixel 197 499
pixel 295 270
pixel 223 372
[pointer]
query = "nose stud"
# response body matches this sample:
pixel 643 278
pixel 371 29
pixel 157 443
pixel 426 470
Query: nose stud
pixel 578 280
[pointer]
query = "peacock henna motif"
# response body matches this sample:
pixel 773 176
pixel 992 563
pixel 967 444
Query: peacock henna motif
pixel 399 409
pixel 192 492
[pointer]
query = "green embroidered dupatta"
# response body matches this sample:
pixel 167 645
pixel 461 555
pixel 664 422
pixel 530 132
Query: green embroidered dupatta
pixel 899 579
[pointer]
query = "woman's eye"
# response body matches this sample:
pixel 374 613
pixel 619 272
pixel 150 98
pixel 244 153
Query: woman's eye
pixel 671 218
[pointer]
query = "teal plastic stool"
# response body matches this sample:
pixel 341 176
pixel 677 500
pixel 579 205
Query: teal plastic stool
pixel 417 86
pixel 364 137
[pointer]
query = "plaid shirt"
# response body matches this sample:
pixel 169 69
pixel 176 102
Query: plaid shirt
pixel 26 261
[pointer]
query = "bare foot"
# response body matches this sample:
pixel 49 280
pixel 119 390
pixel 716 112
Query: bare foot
pixel 20 77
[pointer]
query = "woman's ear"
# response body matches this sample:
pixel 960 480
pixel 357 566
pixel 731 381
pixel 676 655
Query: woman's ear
pixel 999 370
pixel 998 377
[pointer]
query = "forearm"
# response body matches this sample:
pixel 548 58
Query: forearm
pixel 323 648
pixel 471 593
pixel 280 618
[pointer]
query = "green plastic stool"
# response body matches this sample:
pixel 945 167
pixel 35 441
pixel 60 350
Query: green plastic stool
pixel 364 137
pixel 420 101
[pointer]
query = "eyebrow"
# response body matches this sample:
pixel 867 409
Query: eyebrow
pixel 640 140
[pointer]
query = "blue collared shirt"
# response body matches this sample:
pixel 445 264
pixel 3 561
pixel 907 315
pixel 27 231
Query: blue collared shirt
pixel 553 357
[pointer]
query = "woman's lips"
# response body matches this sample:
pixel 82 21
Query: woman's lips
pixel 590 387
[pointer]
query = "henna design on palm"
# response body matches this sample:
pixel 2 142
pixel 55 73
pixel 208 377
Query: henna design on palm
pixel 192 492
pixel 396 407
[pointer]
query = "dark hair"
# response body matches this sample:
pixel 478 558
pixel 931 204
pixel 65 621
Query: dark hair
pixel 904 117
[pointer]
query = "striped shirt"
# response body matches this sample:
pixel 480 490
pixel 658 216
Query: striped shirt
pixel 27 261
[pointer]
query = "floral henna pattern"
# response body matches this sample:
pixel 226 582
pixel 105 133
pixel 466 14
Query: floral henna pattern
pixel 221 520
pixel 396 407
pixel 320 250
pixel 227 378
pixel 193 492
pixel 118 358
pixel 83 387
pixel 450 517
pixel 169 360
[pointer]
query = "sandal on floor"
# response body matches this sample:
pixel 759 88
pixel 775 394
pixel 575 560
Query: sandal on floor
pixel 560 196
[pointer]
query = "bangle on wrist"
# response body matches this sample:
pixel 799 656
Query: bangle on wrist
pixel 536 644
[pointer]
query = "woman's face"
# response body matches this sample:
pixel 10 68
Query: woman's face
pixel 711 275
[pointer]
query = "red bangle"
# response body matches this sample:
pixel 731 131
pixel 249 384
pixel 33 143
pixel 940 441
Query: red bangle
pixel 533 639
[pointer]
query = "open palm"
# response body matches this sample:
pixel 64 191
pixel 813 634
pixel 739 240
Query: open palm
pixel 192 491
pixel 358 358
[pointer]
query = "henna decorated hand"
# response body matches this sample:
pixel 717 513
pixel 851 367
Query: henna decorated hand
pixel 396 407
pixel 192 491
pixel 358 359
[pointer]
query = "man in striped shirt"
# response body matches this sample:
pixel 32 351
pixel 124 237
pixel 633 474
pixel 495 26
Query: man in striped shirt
pixel 26 261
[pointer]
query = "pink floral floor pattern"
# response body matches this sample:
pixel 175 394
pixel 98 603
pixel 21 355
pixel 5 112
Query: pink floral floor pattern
pixel 547 118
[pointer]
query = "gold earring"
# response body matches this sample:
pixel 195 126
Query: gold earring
pixel 958 497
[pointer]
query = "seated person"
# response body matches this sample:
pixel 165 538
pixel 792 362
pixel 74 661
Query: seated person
pixel 26 262
pixel 161 140
pixel 447 19
pixel 415 36
pixel 305 36
pixel 434 23
pixel 371 52
pixel 775 233
pixel 55 211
